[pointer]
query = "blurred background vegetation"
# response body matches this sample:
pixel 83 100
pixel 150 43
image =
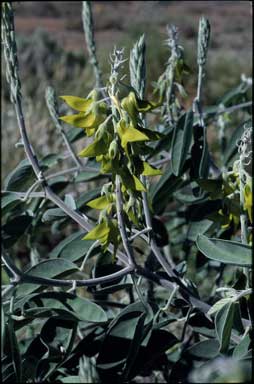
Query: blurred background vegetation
pixel 52 51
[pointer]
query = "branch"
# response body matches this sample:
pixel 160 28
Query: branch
pixel 53 110
pixel 20 277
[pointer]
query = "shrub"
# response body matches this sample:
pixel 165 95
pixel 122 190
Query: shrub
pixel 155 285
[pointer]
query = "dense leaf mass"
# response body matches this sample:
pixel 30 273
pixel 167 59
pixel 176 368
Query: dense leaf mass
pixel 155 283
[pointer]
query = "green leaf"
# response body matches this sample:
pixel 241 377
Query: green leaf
pixel 242 349
pixel 162 191
pixel 59 248
pixel 200 157
pixel 73 248
pixel 2 329
pixel 20 178
pixel 135 345
pixel 129 134
pixel 207 349
pixel 77 249
pixel 87 176
pixel 181 142
pixel 191 194
pixel 218 305
pixel 51 160
pixel 225 251
pixel 235 95
pixel 71 379
pixel 15 352
pixel 74 134
pixel 213 186
pixel 94 149
pixel 52 214
pixel 9 201
pixel 223 325
pixel 15 228
pixel 53 268
pixel 87 196
pixel 99 203
pixel 69 306
pixel 78 103
pixel 198 227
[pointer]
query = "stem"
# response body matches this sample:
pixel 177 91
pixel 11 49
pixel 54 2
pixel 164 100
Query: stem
pixel 242 294
pixel 76 160
pixel 20 277
pixel 170 298
pixel 243 216
pixel 119 210
pixel 139 233
pixel 199 86
pixel 139 293
pixel 94 245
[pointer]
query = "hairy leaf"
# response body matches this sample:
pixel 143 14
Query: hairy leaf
pixel 181 142
pixel 225 251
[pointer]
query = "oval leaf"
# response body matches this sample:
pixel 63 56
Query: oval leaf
pixel 225 251
pixel 54 268
pixel 181 141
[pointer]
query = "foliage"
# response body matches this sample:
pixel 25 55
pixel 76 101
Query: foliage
pixel 127 296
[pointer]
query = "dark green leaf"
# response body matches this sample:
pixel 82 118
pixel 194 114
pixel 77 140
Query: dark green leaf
pixel 74 134
pixel 20 178
pixel 77 249
pixel 15 353
pixel 54 268
pixel 14 228
pixel 223 325
pixel 207 349
pixel 234 96
pixel 135 346
pixel 86 176
pixel 87 196
pixel 9 201
pixel 53 214
pixel 188 195
pixel 200 158
pixel 2 329
pixel 242 349
pixel 181 142
pixel 57 250
pixel 68 306
pixel 71 379
pixel 198 227
pixel 225 251
pixel 162 191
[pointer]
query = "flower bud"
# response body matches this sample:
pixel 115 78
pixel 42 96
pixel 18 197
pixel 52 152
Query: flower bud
pixel 112 150
pixel 203 40
pixel 102 128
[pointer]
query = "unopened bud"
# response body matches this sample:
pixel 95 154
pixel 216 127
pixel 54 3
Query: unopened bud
pixel 102 128
pixel 203 40
pixel 112 150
